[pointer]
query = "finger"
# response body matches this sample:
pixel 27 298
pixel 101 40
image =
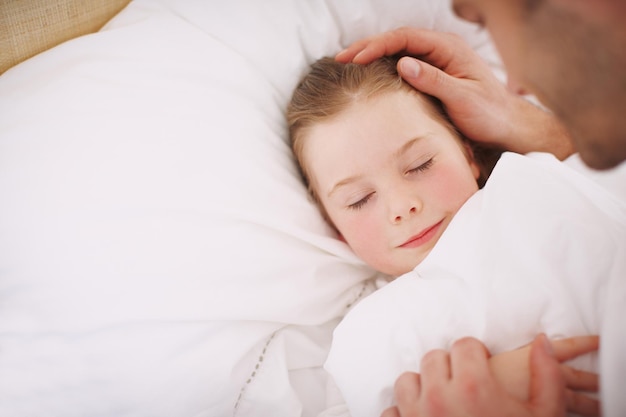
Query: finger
pixel 582 404
pixel 578 380
pixel 469 360
pixel 391 412
pixel 435 364
pixel 389 43
pixel 407 390
pixel 348 54
pixel 439 48
pixel 566 349
pixel 428 79
pixel 547 385
pixel 367 50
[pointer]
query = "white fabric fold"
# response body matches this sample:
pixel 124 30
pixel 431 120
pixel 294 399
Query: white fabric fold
pixel 540 249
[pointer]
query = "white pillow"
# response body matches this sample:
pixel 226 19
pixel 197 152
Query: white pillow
pixel 157 246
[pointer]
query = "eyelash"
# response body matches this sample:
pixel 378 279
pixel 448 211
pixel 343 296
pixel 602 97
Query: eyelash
pixel 359 204
pixel 424 167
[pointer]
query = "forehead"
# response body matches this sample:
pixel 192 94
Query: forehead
pixel 367 133
pixel 378 117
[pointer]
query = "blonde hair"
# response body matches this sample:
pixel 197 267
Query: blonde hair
pixel 331 87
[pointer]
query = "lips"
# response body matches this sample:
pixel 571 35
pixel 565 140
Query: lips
pixel 423 237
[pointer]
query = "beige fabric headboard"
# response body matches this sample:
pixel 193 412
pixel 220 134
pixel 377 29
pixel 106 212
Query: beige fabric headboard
pixel 28 27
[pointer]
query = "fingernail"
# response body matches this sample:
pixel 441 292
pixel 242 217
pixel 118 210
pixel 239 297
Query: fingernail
pixel 357 56
pixel 340 54
pixel 409 67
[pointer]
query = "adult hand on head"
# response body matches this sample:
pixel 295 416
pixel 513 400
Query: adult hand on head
pixel 463 383
pixel 476 101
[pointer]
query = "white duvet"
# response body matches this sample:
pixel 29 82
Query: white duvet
pixel 537 250
pixel 159 253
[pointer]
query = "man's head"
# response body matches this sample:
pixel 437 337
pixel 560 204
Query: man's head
pixel 571 54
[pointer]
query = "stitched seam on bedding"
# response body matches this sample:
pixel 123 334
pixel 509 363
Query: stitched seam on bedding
pixel 357 298
pixel 254 373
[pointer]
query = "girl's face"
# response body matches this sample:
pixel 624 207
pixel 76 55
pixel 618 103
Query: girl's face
pixel 390 177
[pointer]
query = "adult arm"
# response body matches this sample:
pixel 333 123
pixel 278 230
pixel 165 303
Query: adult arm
pixel 477 102
pixel 468 382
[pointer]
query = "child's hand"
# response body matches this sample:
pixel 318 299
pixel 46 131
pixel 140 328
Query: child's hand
pixel 479 104
pixel 513 372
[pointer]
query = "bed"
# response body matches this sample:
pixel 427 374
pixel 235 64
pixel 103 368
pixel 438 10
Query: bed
pixel 159 254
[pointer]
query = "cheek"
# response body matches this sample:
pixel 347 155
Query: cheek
pixel 450 188
pixel 363 232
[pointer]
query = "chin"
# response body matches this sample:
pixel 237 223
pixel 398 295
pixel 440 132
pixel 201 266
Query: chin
pixel 602 159
pixel 602 148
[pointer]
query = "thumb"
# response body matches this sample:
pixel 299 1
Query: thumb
pixel 427 78
pixel 547 385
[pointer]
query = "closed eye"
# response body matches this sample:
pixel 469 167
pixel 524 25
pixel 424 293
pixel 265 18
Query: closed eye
pixel 423 167
pixel 359 204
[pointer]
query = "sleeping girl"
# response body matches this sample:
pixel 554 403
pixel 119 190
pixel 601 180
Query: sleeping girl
pixel 403 189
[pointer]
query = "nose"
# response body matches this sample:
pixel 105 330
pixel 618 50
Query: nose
pixel 398 218
pixel 515 87
pixel 404 206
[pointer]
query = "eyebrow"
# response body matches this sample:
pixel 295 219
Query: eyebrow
pixel 399 152
pixel 408 145
pixel 343 183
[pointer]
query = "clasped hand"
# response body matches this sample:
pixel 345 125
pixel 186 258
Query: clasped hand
pixel 530 381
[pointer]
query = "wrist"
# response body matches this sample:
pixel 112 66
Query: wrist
pixel 536 130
